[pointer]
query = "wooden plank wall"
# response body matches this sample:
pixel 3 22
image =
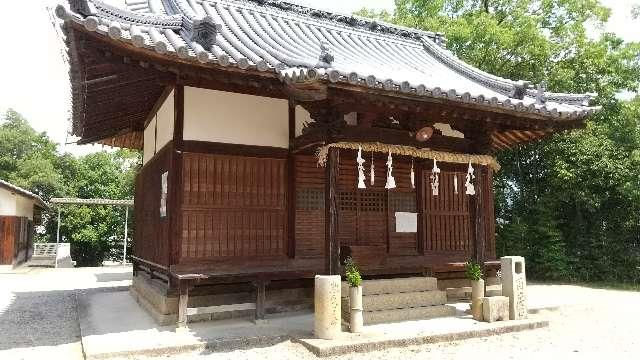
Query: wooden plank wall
pixel 309 216
pixel 233 206
pixel 448 222
pixel 488 214
pixel 152 234
pixel 16 239
pixel 7 239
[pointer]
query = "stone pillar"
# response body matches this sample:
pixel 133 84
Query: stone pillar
pixel 477 293
pixel 514 285
pixel 355 304
pixel 327 304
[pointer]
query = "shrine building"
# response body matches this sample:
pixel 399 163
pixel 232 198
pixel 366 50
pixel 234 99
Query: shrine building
pixel 279 140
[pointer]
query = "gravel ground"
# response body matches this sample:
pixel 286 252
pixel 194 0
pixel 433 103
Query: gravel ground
pixel 38 317
pixel 38 320
pixel 590 324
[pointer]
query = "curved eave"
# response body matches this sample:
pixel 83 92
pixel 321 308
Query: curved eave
pixel 162 46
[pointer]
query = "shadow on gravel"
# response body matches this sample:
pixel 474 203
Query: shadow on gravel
pixel 39 318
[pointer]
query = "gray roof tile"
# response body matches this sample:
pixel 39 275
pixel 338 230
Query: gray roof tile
pixel 292 40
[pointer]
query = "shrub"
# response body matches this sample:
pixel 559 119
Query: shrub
pixel 474 271
pixel 352 273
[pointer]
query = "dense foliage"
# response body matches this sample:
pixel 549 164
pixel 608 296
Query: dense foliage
pixel 569 204
pixel 473 270
pixel 352 273
pixel 31 160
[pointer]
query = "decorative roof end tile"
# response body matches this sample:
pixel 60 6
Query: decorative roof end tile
pixel 541 99
pixel 83 7
pixel 202 31
pixel 326 57
pixel 519 90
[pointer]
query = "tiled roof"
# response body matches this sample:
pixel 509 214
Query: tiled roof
pixel 302 44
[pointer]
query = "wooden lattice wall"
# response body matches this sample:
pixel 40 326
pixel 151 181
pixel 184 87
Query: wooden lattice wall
pixel 310 210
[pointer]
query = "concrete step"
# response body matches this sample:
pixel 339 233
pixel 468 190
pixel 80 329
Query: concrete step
pixel 393 286
pixel 417 313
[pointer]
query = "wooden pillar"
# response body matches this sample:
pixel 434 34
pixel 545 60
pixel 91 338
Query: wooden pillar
pixel 174 202
pixel 183 301
pixel 332 243
pixel 419 181
pixel 291 184
pixel 479 218
pixel 261 299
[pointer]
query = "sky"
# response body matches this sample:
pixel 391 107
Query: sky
pixel 34 75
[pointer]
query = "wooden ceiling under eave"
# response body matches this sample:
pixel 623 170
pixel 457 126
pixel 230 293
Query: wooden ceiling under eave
pixel 112 98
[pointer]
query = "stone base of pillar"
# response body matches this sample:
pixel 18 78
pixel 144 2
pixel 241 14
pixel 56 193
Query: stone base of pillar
pixel 477 293
pixel 355 304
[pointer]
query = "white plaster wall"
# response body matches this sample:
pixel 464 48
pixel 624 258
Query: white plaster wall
pixel 224 117
pixel 15 205
pixel 302 117
pixel 7 203
pixel 24 207
pixel 165 121
pixel 148 146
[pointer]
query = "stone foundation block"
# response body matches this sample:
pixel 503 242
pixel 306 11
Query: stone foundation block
pixel 495 308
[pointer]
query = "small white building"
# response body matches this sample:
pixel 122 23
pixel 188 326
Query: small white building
pixel 20 211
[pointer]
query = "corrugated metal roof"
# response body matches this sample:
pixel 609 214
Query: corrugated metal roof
pixel 78 201
pixel 302 44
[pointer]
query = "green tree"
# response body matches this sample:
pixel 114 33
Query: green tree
pixel 31 160
pixel 568 203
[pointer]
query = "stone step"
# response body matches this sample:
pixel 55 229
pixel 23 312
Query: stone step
pixel 493 290
pixel 418 313
pixel 393 286
pixel 404 300
pixel 444 284
pixel 400 300
pixel 464 293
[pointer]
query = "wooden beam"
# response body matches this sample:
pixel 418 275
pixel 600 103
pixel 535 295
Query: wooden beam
pixel 206 147
pixel 332 243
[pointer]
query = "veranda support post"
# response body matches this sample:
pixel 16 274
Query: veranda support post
pixel 124 247
pixel 57 237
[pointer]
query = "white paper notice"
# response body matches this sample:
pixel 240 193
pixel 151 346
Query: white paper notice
pixel 163 193
pixel 406 222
